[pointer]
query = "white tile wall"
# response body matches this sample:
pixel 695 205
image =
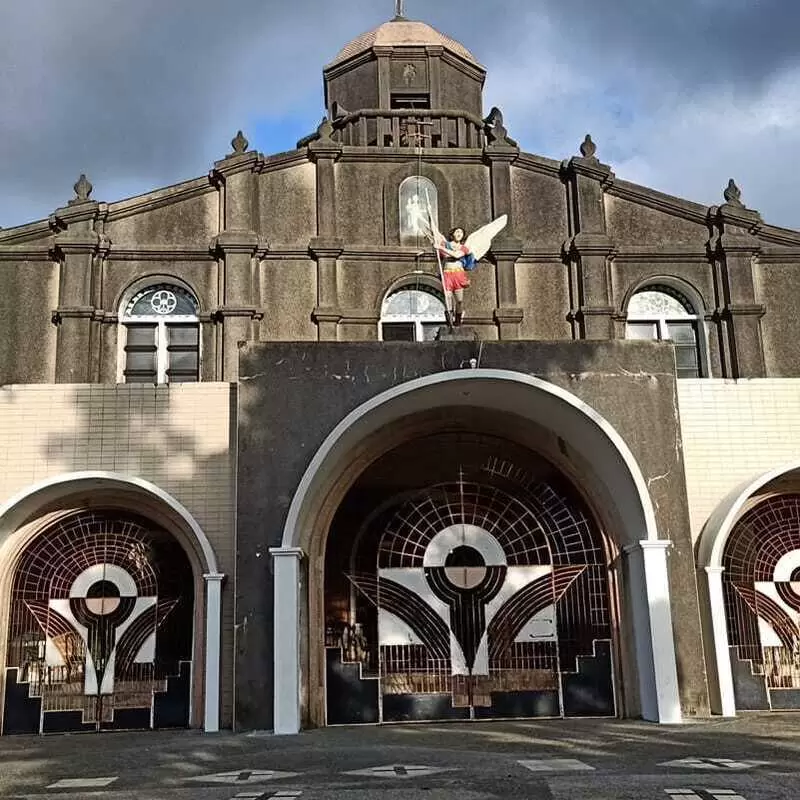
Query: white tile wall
pixel 734 431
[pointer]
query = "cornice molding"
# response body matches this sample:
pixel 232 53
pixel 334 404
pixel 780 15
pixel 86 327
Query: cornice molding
pixel 325 248
pixel 42 252
pixel 160 198
pixel 159 252
pixel 534 163
pixel 659 201
pixel 788 255
pixel 219 313
pixel 591 168
pixel 775 235
pixel 404 155
pixel 279 161
pixel 696 254
pixel 234 164
pixel 24 233
pixel 531 258
pixel 505 316
pixel 589 244
pixel 233 241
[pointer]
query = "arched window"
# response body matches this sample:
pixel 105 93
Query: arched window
pixel 661 312
pixel 417 194
pixel 412 314
pixel 160 335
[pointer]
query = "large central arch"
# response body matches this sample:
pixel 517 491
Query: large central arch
pixel 367 432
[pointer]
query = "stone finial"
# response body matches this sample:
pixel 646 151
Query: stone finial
pixel 325 130
pixel 733 194
pixel 82 189
pixel 496 131
pixel 588 148
pixel 239 144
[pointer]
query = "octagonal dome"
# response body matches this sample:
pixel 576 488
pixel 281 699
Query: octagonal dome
pixel 403 33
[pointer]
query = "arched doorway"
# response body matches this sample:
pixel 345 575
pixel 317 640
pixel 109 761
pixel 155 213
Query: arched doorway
pixel 101 627
pixel 586 441
pixel 465 578
pixel 761 581
pixel 31 513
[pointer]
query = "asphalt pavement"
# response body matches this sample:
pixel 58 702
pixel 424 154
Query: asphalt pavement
pixel 752 757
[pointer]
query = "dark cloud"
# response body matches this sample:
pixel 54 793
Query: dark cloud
pixel 142 94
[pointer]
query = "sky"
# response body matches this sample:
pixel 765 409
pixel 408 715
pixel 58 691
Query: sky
pixel 138 94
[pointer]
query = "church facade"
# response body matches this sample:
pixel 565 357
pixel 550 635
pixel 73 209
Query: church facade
pixel 252 479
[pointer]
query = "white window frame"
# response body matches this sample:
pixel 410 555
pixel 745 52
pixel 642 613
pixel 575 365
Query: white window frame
pixel 419 320
pixel 662 321
pixel 161 322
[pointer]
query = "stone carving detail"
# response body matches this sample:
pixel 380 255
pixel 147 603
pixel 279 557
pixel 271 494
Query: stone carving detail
pixel 409 74
pixel 239 144
pixel 82 190
pixel 588 147
pixel 496 131
pixel 733 194
pixel 325 130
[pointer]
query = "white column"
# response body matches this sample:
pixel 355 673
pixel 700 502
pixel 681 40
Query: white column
pixel 719 630
pixel 286 655
pixel 652 622
pixel 213 650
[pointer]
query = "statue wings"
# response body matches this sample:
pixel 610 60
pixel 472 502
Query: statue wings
pixel 480 241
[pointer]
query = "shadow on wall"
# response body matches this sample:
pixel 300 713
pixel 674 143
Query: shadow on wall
pixel 179 438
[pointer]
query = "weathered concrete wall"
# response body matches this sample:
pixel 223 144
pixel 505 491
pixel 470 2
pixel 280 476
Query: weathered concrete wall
pixel 780 325
pixel 28 295
pixel 293 395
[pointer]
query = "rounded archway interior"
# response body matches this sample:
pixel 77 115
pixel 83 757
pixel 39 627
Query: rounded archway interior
pixel 749 552
pixel 366 433
pixel 560 412
pixel 466 578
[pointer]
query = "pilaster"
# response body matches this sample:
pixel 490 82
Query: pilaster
pixel 213 654
pixel 653 633
pixel 734 248
pixel 326 248
pixel 287 562
pixel 508 315
pixel 327 315
pixel 499 154
pixel 590 246
pixel 236 248
pixel 79 246
pixel 723 700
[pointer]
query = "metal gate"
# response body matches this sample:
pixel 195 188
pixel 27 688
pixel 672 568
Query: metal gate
pixel 490 598
pixel 762 601
pixel 100 629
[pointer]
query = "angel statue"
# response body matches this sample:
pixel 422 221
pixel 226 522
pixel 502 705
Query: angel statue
pixel 459 254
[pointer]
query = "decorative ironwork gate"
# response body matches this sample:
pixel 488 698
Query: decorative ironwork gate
pixel 100 630
pixel 490 598
pixel 762 604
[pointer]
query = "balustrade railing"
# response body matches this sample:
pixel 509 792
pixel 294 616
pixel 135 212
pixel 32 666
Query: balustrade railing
pixel 407 128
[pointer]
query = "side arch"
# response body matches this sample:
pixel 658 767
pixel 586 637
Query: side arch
pixel 24 514
pixel 580 427
pixel 710 551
